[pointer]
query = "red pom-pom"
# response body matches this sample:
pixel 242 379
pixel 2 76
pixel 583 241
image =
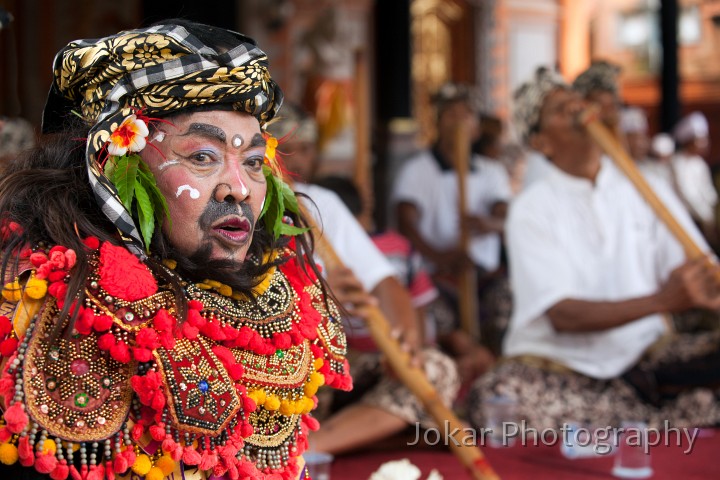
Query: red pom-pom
pixel 246 430
pixel 141 354
pixel 5 434
pixel 102 323
pixel 235 371
pixel 26 253
pixel 43 271
pixel 244 336
pixel 122 275
pixel 61 472
pixel 190 456
pixel 120 464
pixel 213 331
pixel 8 346
pixel 25 451
pixel 208 460
pixel 56 276
pixel 281 341
pixel 38 259
pixel 70 259
pixel 158 401
pixel 92 243
pixel 60 292
pixel 189 331
pixel 172 448
pixel 46 463
pixel 195 305
pixel 15 418
pixel 120 352
pixel 224 354
pixel 167 341
pixel 5 326
pixel 249 404
pixel 57 258
pixel 230 332
pixel 57 248
pixel 97 472
pixel 311 422
pixel 148 338
pixel 129 455
pixel 163 321
pixel 106 342
pixel 195 319
pixel 157 432
pixel 137 431
pixel 85 321
pixel 74 474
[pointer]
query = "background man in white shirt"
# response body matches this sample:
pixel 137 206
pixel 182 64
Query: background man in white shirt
pixel 593 270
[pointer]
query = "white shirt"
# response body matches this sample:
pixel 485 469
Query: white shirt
pixel 570 239
pixel 433 190
pixel 695 185
pixel 347 237
pixel 537 166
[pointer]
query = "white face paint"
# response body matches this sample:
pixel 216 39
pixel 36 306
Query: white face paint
pixel 164 165
pixel 159 137
pixel 194 193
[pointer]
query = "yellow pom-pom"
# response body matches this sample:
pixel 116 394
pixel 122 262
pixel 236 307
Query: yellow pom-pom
pixel 310 389
pixel 36 288
pixel 225 290
pixel 213 283
pixel 318 363
pixel 272 402
pixel 317 379
pixel 155 474
pixel 142 465
pixel 166 464
pixel 49 446
pixel 12 291
pixel 258 396
pixel 8 453
pixel 287 407
pixel 308 405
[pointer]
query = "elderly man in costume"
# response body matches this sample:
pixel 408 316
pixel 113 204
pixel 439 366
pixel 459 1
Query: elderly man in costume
pixel 593 271
pixel 163 316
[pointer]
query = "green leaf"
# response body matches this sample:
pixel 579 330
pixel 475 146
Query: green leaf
pixel 145 214
pixel 157 199
pixel 110 167
pixel 286 229
pixel 269 196
pixel 124 178
pixel 291 202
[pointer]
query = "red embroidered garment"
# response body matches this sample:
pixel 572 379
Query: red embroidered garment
pixel 226 390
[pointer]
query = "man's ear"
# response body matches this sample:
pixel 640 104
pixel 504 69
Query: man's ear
pixel 540 143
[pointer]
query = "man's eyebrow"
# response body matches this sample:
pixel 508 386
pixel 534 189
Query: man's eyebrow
pixel 257 141
pixel 206 130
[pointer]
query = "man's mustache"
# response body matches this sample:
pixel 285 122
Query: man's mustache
pixel 215 210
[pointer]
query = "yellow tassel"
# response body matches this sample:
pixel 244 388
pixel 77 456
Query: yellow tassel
pixel 12 291
pixel 36 288
pixel 166 464
pixel 8 453
pixel 225 290
pixel 318 363
pixel 155 474
pixel 142 465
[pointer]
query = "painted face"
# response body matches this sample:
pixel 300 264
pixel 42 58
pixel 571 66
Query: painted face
pixel 209 167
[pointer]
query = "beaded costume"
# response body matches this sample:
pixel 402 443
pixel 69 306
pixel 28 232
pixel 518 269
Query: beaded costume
pixel 128 369
pixel 227 392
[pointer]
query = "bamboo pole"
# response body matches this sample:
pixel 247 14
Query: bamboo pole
pixel 362 166
pixel 412 377
pixel 605 139
pixel 467 278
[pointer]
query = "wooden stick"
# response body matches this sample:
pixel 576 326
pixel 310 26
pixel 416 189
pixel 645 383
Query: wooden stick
pixel 612 147
pixel 412 377
pixel 362 166
pixel 467 278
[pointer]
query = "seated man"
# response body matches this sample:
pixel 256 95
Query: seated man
pixel 386 407
pixel 593 271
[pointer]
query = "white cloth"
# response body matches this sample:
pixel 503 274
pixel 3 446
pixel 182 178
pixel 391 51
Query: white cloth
pixel 656 170
pixel 570 239
pixel 695 185
pixel 433 191
pixel 537 166
pixel 350 241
